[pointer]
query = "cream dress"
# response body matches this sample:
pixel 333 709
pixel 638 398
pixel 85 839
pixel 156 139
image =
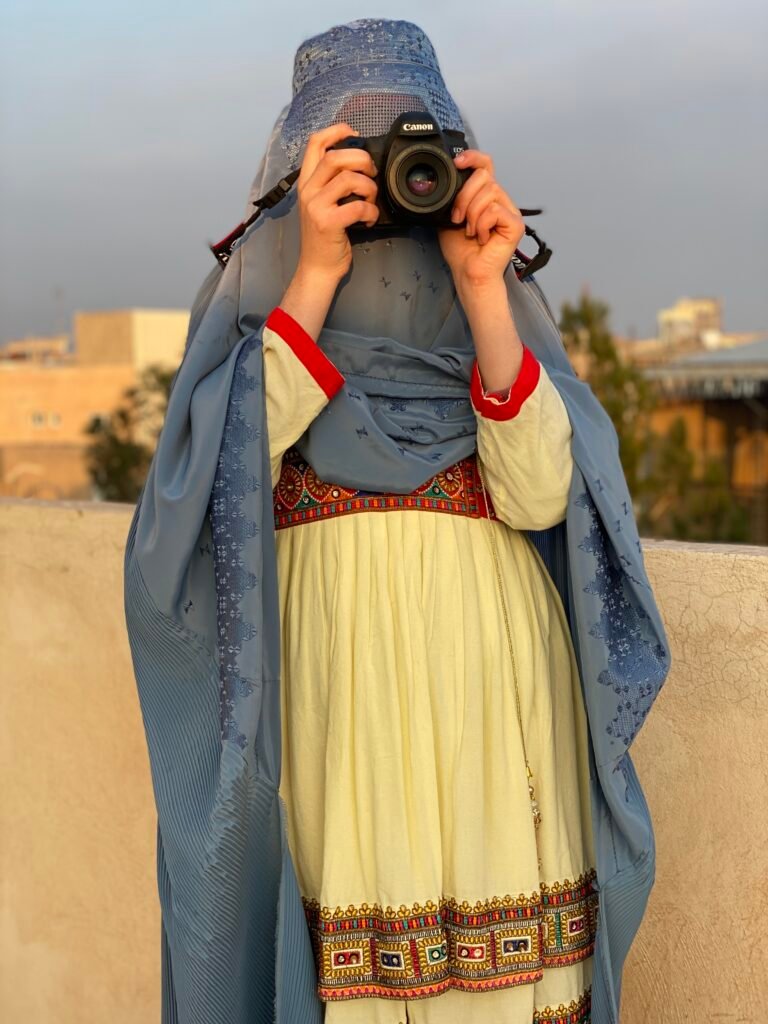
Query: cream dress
pixel 430 896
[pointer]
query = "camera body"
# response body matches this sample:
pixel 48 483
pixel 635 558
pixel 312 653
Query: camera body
pixel 417 179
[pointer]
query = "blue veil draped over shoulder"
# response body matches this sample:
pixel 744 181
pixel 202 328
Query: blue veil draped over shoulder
pixel 201 597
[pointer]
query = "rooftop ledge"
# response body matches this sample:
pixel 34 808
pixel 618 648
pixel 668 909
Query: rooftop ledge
pixel 126 509
pixel 78 821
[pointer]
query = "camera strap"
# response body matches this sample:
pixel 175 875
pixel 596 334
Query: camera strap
pixel 524 265
pixel 223 250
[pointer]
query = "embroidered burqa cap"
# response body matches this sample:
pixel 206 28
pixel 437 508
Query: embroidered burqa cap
pixel 365 73
pixel 201 594
pixel 394 60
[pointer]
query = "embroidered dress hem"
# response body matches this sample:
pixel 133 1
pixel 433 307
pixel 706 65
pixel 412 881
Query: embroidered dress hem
pixel 422 950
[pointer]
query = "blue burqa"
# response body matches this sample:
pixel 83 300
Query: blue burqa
pixel 201 594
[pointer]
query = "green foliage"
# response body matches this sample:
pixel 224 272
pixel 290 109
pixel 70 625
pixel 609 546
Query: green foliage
pixel 625 394
pixel 671 500
pixel 687 506
pixel 122 445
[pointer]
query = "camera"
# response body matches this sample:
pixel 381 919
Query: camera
pixel 416 177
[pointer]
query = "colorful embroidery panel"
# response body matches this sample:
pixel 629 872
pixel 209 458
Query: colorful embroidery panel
pixel 300 496
pixel 578 1011
pixel 422 950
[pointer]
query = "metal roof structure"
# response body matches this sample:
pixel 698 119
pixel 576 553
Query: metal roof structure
pixel 734 373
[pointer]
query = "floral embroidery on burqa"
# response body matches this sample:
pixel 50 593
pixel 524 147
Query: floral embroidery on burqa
pixel 636 665
pixel 230 528
pixel 444 406
pixel 622 765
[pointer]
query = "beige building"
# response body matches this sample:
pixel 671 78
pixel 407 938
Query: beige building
pixel 135 337
pixel 691 325
pixel 48 394
pixel 54 346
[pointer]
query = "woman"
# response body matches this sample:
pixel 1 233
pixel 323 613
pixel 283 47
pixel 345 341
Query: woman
pixel 391 659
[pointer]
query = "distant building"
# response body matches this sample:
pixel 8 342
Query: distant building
pixel 55 347
pixel 689 320
pixel 722 396
pixel 49 393
pixel 691 325
pixel 131 337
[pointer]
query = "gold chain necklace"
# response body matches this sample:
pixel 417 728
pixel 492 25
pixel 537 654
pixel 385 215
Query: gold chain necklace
pixel 497 569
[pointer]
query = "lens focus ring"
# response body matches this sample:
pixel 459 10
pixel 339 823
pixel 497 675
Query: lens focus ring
pixel 422 179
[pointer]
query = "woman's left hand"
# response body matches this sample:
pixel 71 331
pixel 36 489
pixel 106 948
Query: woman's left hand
pixel 479 251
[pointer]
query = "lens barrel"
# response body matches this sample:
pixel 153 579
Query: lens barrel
pixel 422 179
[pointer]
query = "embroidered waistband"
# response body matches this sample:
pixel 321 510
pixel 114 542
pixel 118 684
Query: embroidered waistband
pixel 300 496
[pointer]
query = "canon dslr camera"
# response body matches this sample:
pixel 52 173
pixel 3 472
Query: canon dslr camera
pixel 417 179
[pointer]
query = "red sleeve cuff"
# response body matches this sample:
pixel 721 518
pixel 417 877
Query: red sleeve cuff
pixel 305 348
pixel 523 387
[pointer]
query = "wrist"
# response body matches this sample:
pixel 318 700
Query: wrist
pixel 319 279
pixel 481 299
pixel 308 298
pixel 477 292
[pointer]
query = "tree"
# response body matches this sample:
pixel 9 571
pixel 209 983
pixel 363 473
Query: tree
pixel 670 499
pixel 710 512
pixel 625 394
pixel 123 444
pixel 684 506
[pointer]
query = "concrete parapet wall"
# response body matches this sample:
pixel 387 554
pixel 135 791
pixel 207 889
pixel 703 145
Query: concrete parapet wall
pixel 79 918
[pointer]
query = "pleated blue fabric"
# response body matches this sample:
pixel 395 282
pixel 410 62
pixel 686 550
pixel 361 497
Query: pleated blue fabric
pixel 202 608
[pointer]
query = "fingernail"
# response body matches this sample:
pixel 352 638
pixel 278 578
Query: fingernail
pixel 456 216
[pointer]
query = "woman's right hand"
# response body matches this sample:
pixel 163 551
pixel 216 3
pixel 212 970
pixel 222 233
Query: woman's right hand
pixel 327 176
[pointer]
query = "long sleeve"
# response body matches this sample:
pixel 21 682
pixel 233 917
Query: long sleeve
pixel 524 447
pixel 299 380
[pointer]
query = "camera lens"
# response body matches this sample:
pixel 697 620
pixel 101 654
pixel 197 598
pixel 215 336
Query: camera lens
pixel 421 180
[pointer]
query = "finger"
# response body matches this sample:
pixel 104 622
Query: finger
pixel 492 193
pixel 504 199
pixel 350 213
pixel 496 217
pixel 337 160
pixel 344 184
pixel 475 158
pixel 317 144
pixel 486 221
pixel 478 180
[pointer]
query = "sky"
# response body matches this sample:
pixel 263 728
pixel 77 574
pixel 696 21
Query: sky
pixel 130 133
